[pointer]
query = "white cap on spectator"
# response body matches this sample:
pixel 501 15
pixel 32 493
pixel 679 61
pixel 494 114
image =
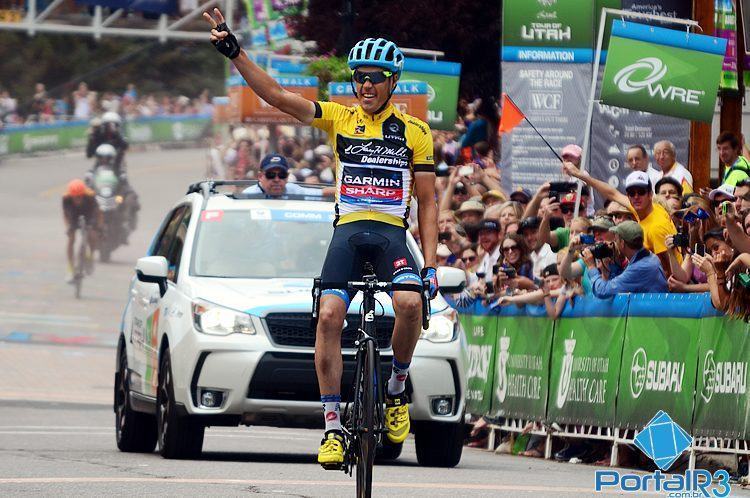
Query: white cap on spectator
pixel 637 179
pixel 725 189
pixel 309 156
pixel 326 176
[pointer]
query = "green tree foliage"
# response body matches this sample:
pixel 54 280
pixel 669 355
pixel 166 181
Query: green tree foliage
pixel 328 69
pixel 62 61
pixel 467 31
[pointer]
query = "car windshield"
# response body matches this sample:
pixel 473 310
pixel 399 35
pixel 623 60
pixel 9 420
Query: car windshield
pixel 262 243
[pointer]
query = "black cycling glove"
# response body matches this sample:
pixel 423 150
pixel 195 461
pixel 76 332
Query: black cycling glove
pixel 229 46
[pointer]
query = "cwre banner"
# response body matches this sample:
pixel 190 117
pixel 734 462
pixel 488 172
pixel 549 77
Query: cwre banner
pixel 663 71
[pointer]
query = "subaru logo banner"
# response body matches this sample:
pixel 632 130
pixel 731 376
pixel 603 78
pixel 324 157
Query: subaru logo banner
pixel 663 71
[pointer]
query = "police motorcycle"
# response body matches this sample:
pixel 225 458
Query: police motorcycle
pixel 111 200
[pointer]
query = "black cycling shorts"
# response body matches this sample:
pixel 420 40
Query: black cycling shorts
pixel 356 243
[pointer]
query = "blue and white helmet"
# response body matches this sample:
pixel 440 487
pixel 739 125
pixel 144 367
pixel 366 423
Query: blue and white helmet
pixel 377 52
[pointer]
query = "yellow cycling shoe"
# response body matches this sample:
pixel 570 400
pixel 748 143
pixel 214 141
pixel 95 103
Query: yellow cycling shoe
pixel 331 451
pixel 397 417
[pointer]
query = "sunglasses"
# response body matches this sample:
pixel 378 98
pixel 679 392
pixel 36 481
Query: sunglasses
pixel 272 175
pixel 375 77
pixel 567 209
pixel 469 259
pixel 636 191
pixel 510 248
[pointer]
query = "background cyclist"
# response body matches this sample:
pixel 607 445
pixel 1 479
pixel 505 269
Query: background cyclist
pixel 382 156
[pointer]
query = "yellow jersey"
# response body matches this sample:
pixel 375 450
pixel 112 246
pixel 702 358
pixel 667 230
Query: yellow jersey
pixel 375 159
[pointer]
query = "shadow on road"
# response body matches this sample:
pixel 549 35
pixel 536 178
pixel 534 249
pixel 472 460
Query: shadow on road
pixel 305 458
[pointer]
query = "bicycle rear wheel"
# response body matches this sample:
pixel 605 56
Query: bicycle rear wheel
pixel 366 422
pixel 80 262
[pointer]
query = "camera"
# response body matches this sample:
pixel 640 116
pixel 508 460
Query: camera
pixel 508 270
pixel 681 239
pixel 444 236
pixel 559 189
pixel 602 250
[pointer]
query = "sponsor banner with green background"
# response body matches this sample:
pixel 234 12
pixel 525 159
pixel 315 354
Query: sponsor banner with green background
pixel 548 30
pixel 659 359
pixel 662 71
pixel 722 404
pixel 585 363
pixel 480 353
pixel 725 20
pixel 521 385
pixel 73 134
pixel 443 79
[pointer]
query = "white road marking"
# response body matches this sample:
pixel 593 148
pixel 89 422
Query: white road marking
pixel 62 318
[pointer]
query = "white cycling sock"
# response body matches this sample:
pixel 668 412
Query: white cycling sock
pixel 399 373
pixel 331 411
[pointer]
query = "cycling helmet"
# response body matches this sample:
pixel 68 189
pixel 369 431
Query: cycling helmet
pixel 106 150
pixel 76 188
pixel 377 52
pixel 111 117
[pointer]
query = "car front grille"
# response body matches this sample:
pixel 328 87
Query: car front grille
pixel 293 329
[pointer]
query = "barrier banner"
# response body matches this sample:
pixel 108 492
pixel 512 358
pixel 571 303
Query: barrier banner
pixel 722 404
pixel 442 79
pixel 524 338
pixel 72 134
pixel 585 363
pixel 480 337
pixel 659 358
pixel 663 71
pixel 409 96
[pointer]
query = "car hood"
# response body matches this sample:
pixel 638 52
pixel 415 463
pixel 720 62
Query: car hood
pixel 262 296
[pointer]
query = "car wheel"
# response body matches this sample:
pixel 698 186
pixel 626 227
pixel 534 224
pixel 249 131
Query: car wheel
pixel 388 451
pixel 135 431
pixel 179 437
pixel 439 444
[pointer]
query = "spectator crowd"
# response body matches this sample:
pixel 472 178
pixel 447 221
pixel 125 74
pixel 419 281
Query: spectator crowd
pixel 84 104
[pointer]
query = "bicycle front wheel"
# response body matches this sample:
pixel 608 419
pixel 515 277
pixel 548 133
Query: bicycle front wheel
pixel 366 422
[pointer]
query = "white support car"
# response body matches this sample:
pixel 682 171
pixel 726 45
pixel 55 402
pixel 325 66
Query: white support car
pixel 217 331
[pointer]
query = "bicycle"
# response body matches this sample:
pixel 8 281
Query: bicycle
pixel 80 260
pixel 364 425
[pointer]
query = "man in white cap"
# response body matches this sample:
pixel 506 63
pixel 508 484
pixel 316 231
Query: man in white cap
pixel 653 218
pixel 718 196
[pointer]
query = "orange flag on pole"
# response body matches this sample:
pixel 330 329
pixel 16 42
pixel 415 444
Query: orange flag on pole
pixel 511 116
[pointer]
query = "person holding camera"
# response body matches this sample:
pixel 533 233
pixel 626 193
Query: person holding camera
pixel 639 199
pixel 686 276
pixel 643 273
pixel 601 243
pixel 515 272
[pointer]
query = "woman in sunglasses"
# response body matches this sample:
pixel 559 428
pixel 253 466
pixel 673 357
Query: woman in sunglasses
pixel 516 271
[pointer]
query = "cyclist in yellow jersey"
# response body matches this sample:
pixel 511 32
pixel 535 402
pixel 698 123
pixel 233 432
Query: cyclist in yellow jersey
pixel 383 157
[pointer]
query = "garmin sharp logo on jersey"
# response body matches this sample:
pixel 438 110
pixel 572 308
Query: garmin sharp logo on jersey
pixel 372 186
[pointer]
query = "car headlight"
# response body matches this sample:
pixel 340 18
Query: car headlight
pixel 443 328
pixel 213 319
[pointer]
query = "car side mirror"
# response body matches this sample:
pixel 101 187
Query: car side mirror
pixel 451 280
pixel 153 270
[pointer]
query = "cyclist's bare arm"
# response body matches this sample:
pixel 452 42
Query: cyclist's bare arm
pixel 262 84
pixel 424 189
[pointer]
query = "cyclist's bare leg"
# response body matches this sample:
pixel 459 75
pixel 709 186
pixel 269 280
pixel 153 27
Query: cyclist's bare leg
pixel 328 362
pixel 408 308
pixel 69 248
